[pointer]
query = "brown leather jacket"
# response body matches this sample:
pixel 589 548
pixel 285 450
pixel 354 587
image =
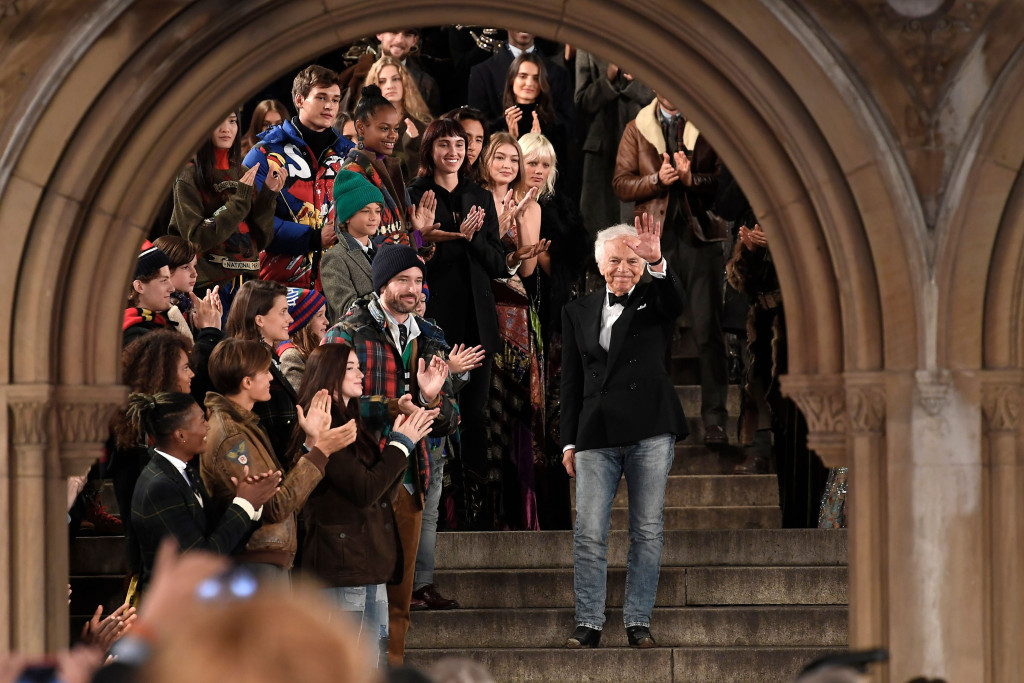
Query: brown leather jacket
pixel 639 158
pixel 236 440
pixel 351 536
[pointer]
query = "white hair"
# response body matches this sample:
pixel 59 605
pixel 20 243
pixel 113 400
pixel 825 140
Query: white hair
pixel 612 233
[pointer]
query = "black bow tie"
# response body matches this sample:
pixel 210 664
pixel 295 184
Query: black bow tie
pixel 621 299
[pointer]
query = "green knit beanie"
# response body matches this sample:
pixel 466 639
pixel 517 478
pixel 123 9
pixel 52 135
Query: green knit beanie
pixel 352 192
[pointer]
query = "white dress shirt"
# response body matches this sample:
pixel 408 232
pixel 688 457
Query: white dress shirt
pixel 179 465
pixel 516 51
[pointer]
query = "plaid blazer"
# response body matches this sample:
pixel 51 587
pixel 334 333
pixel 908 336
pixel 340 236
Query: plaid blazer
pixel 164 505
pixel 364 327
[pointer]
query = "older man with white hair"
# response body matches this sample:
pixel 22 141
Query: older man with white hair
pixel 620 415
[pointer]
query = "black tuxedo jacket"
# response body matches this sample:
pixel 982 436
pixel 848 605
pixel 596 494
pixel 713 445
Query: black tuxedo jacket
pixel 163 504
pixel 621 396
pixel 487 86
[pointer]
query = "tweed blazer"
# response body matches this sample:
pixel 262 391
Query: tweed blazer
pixel 164 505
pixel 345 276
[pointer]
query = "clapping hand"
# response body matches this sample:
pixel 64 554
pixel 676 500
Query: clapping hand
pixel 511 212
pixel 667 174
pixel 411 130
pixel 472 223
pixel 318 419
pixel 463 359
pixel 417 425
pixel 208 311
pixel 512 116
pixel 249 177
pixel 430 377
pixel 259 489
pixel 528 251
pixel 682 166
pixel 422 220
pixel 276 177
pixel 753 239
pixel 103 633
pixel 647 243
pixel 535 128
pixel 333 440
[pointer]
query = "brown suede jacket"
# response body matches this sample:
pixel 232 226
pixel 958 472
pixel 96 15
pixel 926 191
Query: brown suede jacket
pixel 640 156
pixel 234 441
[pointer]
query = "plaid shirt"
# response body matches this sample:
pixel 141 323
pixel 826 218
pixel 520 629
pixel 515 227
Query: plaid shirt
pixel 365 328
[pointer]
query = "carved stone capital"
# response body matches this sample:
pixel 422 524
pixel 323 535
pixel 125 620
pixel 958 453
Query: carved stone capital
pixel 865 400
pixel 30 422
pixel 83 418
pixel 822 400
pixel 932 389
pixel 31 413
pixel 1001 400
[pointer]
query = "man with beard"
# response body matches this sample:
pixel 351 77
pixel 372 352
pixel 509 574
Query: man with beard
pixel 403 360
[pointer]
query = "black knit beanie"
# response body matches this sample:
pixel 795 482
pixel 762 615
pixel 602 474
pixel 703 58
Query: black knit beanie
pixel 392 259
pixel 151 259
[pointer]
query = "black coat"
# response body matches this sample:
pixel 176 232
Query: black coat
pixel 487 87
pixel 164 505
pixel 351 535
pixel 624 395
pixel 459 274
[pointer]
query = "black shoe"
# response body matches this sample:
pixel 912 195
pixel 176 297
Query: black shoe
pixel 714 436
pixel 583 637
pixel 640 636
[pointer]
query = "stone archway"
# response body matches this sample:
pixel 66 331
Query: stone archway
pixel 99 120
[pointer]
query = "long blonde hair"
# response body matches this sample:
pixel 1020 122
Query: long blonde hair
pixel 412 101
pixel 518 185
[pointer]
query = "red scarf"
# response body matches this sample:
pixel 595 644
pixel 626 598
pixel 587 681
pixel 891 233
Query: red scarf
pixel 134 316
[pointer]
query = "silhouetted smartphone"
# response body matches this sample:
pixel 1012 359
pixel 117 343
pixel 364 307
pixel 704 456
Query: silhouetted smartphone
pixel 39 673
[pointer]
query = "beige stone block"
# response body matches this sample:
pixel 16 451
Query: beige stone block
pixel 17 205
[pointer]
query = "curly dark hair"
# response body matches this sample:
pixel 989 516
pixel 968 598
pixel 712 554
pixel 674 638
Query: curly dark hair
pixel 149 365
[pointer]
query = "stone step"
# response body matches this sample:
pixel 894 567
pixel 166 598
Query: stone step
pixel 91 555
pixel 626 665
pixel 677 587
pixel 689 396
pixel 731 517
pixel 815 626
pixel 719 547
pixel 696 427
pixel 708 490
pixel 694 458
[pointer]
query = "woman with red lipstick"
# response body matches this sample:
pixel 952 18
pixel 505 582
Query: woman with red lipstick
pixel 217 208
pixel 460 275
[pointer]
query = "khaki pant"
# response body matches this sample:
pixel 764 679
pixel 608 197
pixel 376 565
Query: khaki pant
pixel 409 518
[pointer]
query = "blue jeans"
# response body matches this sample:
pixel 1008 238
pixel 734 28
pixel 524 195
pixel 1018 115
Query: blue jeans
pixel 428 532
pixel 368 606
pixel 646 465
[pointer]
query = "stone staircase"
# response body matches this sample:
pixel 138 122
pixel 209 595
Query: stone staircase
pixel 739 599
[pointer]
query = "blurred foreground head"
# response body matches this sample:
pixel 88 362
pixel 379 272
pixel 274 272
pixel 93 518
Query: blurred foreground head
pixel 278 634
